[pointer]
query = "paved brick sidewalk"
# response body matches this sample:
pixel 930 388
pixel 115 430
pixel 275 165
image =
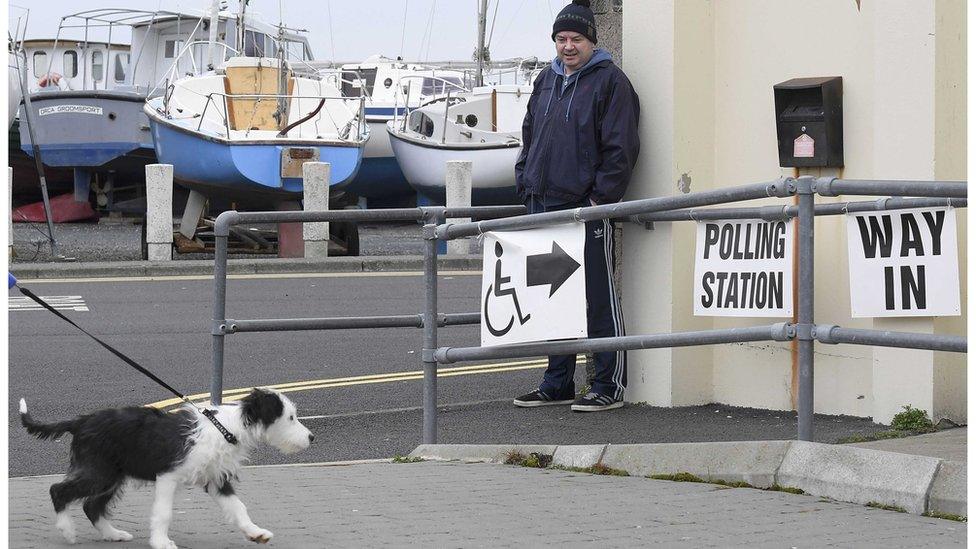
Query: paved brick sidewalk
pixel 479 505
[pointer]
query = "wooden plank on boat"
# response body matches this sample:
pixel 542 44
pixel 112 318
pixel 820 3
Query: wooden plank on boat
pixel 254 114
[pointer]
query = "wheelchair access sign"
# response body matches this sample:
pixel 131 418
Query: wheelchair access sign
pixel 533 286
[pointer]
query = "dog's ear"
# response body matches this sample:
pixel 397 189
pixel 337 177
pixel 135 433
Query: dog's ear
pixel 261 406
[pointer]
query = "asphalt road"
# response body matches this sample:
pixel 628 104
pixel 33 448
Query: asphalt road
pixel 165 325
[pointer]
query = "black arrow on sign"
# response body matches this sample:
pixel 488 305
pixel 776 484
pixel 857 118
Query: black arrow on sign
pixel 553 268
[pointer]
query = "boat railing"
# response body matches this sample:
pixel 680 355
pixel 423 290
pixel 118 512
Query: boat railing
pixel 172 73
pixel 447 85
pixel 357 119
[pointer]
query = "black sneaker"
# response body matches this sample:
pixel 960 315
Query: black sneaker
pixel 595 402
pixel 538 398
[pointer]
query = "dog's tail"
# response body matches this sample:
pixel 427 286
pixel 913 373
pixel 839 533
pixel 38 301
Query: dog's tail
pixel 41 430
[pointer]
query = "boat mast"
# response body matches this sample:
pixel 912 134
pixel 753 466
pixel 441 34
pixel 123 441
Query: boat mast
pixel 240 28
pixel 214 23
pixel 480 54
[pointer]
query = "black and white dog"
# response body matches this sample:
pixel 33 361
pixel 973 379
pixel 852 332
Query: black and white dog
pixel 145 444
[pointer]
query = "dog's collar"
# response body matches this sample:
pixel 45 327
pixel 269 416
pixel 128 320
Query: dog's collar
pixel 223 430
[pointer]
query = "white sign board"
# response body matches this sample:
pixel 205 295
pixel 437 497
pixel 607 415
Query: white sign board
pixel 744 268
pixel 903 263
pixel 70 109
pixel 533 287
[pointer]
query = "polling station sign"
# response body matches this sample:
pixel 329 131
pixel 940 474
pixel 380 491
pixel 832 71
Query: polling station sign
pixel 533 285
pixel 744 268
pixel 903 263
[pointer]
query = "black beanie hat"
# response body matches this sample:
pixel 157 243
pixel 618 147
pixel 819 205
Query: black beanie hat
pixel 576 17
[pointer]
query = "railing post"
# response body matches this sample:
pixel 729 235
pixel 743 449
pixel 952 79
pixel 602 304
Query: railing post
pixel 805 326
pixel 430 329
pixel 218 326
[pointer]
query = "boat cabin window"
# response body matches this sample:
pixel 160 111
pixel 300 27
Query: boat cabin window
pixel 257 44
pixel 40 63
pixel 121 64
pixel 70 63
pixel 295 51
pixel 98 66
pixel 172 48
pixel 422 124
pixel 358 82
pixel 440 85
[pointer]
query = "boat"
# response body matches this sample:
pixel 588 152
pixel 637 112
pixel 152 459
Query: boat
pixel 483 126
pixel 235 133
pixel 389 88
pixel 88 96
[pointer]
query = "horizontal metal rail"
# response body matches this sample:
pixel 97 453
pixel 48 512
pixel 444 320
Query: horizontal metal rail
pixel 906 340
pixel 775 213
pixel 829 186
pixel 231 326
pixel 780 187
pixel 773 332
pixel 230 218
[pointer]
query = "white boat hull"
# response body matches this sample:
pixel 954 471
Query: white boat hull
pixel 13 90
pixel 425 167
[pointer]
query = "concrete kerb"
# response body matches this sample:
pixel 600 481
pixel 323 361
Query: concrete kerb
pixel 754 462
pixel 845 473
pixel 948 493
pixel 859 475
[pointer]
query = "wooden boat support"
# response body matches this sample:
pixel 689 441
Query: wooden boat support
pixel 263 240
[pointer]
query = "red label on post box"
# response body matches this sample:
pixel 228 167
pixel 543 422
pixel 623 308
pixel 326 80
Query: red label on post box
pixel 803 146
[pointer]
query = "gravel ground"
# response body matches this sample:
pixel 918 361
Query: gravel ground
pixel 120 240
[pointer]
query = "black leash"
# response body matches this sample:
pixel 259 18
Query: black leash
pixel 206 412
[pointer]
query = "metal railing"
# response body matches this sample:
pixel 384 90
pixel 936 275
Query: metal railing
pixel 671 208
pixel 358 118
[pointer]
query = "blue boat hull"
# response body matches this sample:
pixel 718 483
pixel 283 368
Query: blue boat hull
pixel 245 172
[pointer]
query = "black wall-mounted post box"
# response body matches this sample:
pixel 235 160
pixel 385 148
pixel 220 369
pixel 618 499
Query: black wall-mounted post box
pixel 810 122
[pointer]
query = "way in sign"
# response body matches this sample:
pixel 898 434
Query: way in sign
pixel 59 302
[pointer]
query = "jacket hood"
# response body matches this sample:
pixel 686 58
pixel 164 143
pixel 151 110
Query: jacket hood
pixel 599 55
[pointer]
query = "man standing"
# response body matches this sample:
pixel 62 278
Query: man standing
pixel 579 148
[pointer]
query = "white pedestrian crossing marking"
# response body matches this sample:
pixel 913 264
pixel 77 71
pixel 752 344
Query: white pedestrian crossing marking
pixel 58 302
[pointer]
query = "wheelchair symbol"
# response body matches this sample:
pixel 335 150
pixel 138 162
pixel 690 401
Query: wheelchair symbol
pixel 495 290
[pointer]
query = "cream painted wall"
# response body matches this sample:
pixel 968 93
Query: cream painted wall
pixel 704 71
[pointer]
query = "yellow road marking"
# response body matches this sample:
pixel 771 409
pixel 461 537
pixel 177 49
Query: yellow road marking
pixel 252 276
pixel 231 395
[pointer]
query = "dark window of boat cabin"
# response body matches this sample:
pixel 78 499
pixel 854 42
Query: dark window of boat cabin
pixel 256 44
pixel 172 48
pixel 70 63
pixel 40 63
pixel 422 124
pixel 358 82
pixel 98 66
pixel 121 64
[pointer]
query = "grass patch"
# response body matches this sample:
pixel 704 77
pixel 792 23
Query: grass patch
pixel 406 459
pixel 944 516
pixel 534 460
pixel 598 469
pixel 688 477
pixel 885 506
pixel 788 489
pixel 912 419
pixel 678 477
pixel 732 483
pixel 908 423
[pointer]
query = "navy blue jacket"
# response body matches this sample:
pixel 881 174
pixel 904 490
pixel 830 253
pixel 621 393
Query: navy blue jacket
pixel 579 137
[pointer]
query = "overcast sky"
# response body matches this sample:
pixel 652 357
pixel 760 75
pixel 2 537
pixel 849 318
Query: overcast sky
pixel 360 28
